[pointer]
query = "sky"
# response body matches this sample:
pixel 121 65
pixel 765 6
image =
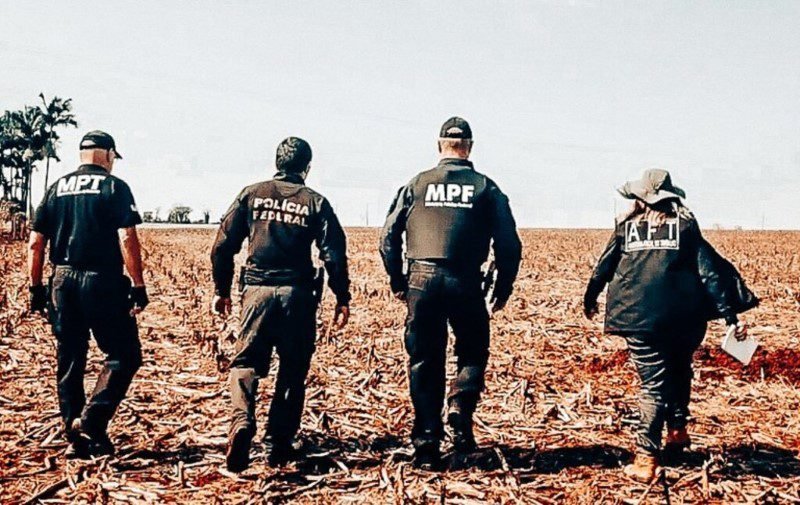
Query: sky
pixel 567 99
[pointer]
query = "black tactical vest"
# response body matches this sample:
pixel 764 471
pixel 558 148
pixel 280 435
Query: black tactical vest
pixel 449 219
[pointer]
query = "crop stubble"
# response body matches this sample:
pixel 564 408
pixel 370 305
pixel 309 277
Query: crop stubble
pixel 555 422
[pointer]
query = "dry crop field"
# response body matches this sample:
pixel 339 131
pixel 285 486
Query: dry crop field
pixel 554 426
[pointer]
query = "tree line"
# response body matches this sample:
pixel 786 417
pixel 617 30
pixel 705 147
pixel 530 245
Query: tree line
pixel 178 214
pixel 28 137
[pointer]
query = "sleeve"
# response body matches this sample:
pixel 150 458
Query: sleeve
pixel 505 243
pixel 712 278
pixel 232 231
pixel 604 270
pixel 42 216
pixel 123 207
pixel 391 245
pixel 332 244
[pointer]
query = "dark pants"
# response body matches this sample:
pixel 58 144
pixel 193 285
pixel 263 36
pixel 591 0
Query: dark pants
pixel 84 301
pixel 283 318
pixel 664 363
pixel 435 297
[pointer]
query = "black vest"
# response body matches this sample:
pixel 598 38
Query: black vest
pixel 449 219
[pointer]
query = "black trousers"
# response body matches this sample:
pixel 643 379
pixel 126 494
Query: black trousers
pixel 281 318
pixel 436 296
pixel 83 302
pixel 664 363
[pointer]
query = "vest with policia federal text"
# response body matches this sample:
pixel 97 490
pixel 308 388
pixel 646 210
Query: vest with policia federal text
pixel 281 218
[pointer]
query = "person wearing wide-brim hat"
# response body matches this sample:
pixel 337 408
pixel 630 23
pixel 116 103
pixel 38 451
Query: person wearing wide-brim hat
pixel 665 282
pixel 655 186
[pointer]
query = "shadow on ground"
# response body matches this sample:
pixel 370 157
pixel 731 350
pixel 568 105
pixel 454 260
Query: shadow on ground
pixel 760 460
pixel 548 461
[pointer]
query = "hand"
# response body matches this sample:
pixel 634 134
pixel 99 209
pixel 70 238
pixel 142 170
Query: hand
pixel 221 306
pixel 589 309
pixel 400 295
pixel 498 305
pixel 340 316
pixel 38 299
pixel 139 299
pixel 740 333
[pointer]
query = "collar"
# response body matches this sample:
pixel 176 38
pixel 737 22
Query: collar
pixel 455 161
pixel 287 177
pixel 91 167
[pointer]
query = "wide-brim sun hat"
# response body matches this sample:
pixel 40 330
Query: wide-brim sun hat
pixel 654 186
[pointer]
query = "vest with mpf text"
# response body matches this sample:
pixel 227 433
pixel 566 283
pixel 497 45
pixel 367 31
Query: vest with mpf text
pixel 449 219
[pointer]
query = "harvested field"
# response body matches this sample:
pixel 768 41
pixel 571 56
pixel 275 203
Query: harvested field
pixel 555 423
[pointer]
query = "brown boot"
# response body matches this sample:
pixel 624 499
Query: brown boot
pixel 678 439
pixel 643 468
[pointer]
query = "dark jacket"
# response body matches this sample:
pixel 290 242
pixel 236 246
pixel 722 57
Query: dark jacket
pixel 450 214
pixel 731 283
pixel 281 218
pixel 664 278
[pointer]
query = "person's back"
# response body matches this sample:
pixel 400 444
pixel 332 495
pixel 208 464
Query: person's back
pixel 89 218
pixel 83 213
pixel 449 216
pixel 664 284
pixel 281 218
pixel 656 285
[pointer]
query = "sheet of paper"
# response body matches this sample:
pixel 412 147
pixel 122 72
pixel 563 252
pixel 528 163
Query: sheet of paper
pixel 741 350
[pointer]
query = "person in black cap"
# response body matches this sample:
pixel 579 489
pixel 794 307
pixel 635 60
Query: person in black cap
pixel 281 218
pixel 664 283
pixel 85 216
pixel 450 215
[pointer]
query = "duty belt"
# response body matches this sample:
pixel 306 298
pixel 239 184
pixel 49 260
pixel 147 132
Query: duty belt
pixel 257 277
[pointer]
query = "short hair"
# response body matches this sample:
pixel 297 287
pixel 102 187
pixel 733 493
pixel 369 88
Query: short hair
pixel 452 144
pixel 293 155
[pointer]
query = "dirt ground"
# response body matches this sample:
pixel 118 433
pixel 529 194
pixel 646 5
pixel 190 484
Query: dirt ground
pixel 555 424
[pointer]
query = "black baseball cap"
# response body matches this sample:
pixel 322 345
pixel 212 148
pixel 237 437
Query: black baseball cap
pixel 99 140
pixel 455 128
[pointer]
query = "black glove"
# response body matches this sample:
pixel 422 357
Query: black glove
pixel 589 306
pixel 731 319
pixel 38 299
pixel 399 285
pixel 138 297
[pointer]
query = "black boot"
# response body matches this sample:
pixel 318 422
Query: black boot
pixel 78 447
pixel 98 442
pixel 281 453
pixel 463 438
pixel 427 457
pixel 237 459
pixel 101 445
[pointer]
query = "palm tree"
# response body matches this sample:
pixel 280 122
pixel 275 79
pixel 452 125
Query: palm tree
pixel 58 112
pixel 28 136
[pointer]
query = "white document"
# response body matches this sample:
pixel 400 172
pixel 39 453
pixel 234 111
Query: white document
pixel 742 350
